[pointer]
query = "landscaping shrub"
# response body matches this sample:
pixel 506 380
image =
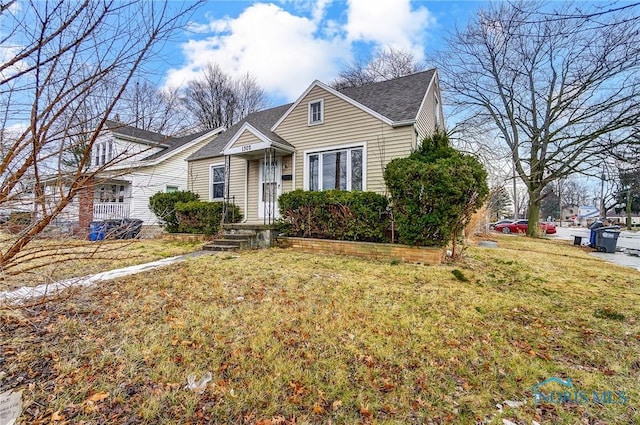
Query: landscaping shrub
pixel 204 217
pixel 335 214
pixel 434 192
pixel 163 206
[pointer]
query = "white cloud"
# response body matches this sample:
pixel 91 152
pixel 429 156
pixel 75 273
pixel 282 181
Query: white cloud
pixel 388 23
pixel 283 51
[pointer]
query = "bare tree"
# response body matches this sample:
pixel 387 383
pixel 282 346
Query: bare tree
pixel 384 64
pixel 64 56
pixel 499 203
pixel 143 105
pixel 561 87
pixel 217 100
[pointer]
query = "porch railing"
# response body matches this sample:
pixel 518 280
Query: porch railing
pixel 108 210
pixel 228 212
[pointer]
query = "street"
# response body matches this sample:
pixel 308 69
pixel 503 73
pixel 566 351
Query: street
pixel 625 240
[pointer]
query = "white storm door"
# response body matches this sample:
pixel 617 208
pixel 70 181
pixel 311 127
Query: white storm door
pixel 269 188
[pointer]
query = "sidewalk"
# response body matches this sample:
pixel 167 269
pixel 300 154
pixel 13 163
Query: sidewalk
pixel 619 258
pixel 46 290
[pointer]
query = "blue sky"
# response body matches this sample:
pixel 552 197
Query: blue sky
pixel 286 44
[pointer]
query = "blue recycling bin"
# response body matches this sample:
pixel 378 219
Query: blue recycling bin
pixel 97 230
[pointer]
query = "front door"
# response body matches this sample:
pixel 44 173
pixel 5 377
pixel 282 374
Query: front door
pixel 270 188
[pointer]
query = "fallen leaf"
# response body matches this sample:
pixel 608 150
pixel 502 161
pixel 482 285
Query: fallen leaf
pixel 56 416
pixel 98 397
pixel 318 409
pixel 365 412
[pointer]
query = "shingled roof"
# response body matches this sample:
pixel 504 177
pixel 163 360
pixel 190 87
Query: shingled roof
pixel 261 121
pixel 151 138
pixel 143 136
pixel 177 142
pixel 398 99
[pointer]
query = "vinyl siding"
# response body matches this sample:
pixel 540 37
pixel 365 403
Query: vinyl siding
pixel 426 121
pixel 124 152
pixel 245 139
pixel 237 181
pixel 345 124
pixel 200 178
pixel 253 197
pixel 287 186
pixel 198 175
pixel 147 181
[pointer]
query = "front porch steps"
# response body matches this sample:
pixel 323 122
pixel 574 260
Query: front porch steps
pixel 242 236
pixel 228 243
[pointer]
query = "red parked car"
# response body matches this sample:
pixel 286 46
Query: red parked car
pixel 520 226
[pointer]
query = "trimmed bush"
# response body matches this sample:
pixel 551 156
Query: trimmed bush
pixel 163 206
pixel 335 214
pixel 434 192
pixel 204 217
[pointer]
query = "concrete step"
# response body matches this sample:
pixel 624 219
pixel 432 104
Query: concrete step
pixel 219 247
pixel 240 243
pixel 237 236
pixel 240 232
pixel 228 243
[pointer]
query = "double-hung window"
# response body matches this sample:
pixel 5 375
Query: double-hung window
pixel 336 169
pixel 217 182
pixel 102 156
pixel 316 112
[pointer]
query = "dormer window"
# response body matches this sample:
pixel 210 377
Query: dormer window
pixel 316 112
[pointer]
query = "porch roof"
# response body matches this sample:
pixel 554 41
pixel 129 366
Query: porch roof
pixel 261 121
pixel 253 149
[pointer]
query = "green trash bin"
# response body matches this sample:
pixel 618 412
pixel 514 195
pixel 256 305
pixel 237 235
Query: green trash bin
pixel 607 238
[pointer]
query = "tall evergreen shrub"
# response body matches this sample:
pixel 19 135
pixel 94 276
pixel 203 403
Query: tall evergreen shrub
pixel 434 192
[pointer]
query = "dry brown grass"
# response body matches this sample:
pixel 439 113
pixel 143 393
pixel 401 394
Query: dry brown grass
pixel 47 261
pixel 299 338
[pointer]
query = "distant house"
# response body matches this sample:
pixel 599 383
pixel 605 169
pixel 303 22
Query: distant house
pixel 142 164
pixel 326 139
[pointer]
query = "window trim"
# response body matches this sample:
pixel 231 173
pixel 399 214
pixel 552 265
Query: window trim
pixel 211 167
pixel 103 153
pixel 167 186
pixel 307 153
pixel 310 122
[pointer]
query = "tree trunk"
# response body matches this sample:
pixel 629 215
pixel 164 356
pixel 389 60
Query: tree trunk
pixel 533 229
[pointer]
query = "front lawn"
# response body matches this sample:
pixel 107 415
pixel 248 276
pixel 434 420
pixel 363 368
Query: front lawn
pixel 298 338
pixel 49 260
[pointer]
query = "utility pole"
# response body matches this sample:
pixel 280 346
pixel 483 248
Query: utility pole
pixel 603 213
pixel 560 202
pixel 628 209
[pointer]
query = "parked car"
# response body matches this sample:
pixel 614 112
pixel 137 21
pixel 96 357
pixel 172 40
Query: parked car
pixel 520 226
pixel 494 224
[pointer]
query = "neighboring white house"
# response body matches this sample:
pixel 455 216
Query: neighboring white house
pixel 143 163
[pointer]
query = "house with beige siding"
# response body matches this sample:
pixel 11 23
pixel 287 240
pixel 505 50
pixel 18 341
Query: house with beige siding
pixel 326 139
